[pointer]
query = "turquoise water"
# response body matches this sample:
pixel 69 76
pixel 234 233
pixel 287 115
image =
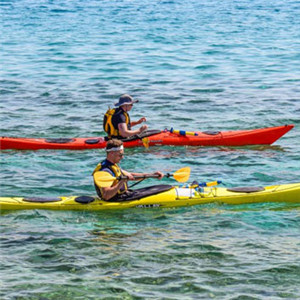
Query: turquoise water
pixel 194 65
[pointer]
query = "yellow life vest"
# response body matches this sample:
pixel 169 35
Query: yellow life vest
pixel 108 125
pixel 116 170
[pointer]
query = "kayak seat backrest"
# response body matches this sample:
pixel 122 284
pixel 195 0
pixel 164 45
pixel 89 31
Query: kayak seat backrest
pixel 84 199
pixel 145 192
pixel 59 141
pixel 92 141
pixel 142 135
pixel 41 200
pixel 246 189
pixel 210 132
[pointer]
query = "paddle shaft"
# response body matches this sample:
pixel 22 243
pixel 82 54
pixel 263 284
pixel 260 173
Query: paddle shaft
pixel 144 176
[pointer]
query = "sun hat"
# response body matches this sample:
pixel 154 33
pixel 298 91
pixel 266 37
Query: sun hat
pixel 125 99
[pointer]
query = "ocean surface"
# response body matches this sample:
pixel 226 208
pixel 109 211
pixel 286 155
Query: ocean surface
pixel 194 65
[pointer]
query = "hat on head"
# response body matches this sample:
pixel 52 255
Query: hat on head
pixel 114 145
pixel 125 99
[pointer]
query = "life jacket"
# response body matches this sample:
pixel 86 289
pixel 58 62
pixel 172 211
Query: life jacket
pixel 108 126
pixel 116 170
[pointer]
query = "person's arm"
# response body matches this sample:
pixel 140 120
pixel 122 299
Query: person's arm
pixel 125 132
pixel 133 174
pixel 160 174
pixel 128 174
pixel 109 192
pixel 141 120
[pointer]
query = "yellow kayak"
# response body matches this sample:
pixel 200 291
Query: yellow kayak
pixel 162 196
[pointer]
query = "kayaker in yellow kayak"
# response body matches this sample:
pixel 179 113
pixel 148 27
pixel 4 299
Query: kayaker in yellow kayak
pixel 117 122
pixel 117 189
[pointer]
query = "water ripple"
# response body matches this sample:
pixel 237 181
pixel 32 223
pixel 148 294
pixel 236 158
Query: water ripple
pixel 194 66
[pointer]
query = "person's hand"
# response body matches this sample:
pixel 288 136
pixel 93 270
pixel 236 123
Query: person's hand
pixel 160 174
pixel 141 120
pixel 130 176
pixel 122 181
pixel 143 128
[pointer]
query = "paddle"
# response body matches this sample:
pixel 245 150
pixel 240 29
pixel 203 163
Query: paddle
pixel 104 179
pixel 145 142
pixel 143 136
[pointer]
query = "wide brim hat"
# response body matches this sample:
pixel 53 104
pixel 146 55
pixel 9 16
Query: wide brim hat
pixel 125 99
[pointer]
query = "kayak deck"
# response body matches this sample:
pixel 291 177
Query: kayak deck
pixel 262 136
pixel 175 197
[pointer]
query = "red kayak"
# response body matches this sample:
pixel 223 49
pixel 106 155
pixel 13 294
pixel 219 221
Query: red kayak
pixel 262 136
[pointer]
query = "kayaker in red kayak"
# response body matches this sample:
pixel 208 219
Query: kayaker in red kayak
pixel 118 190
pixel 117 122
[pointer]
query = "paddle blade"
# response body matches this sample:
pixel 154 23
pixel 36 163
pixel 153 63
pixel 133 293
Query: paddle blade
pixel 145 142
pixel 182 175
pixel 103 179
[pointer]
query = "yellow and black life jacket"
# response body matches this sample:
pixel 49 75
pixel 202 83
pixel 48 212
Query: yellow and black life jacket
pixel 110 127
pixel 116 171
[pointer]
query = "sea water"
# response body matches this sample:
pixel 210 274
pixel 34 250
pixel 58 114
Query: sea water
pixel 194 65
